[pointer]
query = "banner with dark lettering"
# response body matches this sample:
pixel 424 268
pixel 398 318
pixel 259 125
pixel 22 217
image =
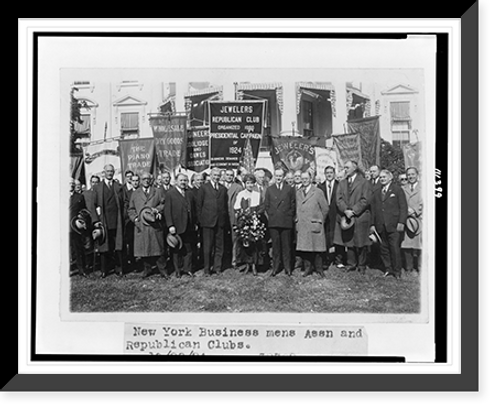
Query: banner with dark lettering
pixel 197 151
pixel 137 155
pixel 294 153
pixel 231 123
pixel 170 136
pixel 348 148
pixel 98 154
pixel 369 133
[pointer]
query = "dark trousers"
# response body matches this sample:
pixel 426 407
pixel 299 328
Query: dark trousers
pixel 111 254
pixel 356 257
pixel 312 260
pixel 374 257
pixel 77 250
pixel 182 258
pixel 148 263
pixel 390 250
pixel 129 244
pixel 213 248
pixel 281 239
pixel 410 254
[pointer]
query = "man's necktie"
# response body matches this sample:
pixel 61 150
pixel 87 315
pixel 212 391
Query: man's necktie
pixel 329 192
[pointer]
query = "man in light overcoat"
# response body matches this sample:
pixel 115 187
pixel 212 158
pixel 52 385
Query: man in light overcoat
pixel 149 242
pixel 412 242
pixel 312 210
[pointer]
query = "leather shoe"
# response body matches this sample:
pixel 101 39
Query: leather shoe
pixel 351 268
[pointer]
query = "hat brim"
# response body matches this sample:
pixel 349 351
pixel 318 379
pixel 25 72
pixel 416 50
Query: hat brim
pixel 413 226
pixel 346 224
pixel 174 241
pixel 100 240
pixel 142 217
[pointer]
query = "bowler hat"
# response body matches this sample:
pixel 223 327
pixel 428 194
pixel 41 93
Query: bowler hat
pixel 174 241
pixel 346 223
pixel 413 225
pixel 99 233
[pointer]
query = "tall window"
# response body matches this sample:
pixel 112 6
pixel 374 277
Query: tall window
pixel 307 118
pixel 400 123
pixel 129 124
pixel 83 129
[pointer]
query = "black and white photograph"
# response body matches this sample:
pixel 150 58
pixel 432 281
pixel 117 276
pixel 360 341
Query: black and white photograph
pixel 241 195
pixel 275 190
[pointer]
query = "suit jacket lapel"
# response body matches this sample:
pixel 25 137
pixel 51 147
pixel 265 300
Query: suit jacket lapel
pixel 355 183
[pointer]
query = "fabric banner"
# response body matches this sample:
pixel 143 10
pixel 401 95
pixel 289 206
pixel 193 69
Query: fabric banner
pixel 411 153
pixel 231 123
pixel 348 148
pixel 170 135
pixel 137 155
pixel 294 153
pixel 197 151
pixel 77 168
pixel 97 155
pixel 369 132
pixel 325 157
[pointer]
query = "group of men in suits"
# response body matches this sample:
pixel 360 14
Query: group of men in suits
pixel 192 226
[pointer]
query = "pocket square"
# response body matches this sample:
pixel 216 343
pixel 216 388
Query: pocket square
pixel 390 196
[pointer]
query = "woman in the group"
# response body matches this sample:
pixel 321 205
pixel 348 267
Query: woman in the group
pixel 249 228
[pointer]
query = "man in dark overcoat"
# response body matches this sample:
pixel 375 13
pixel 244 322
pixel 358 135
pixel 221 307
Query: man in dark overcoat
pixel 280 209
pixel 129 225
pixel 389 213
pixel 233 188
pixel 77 251
pixel 329 188
pixel 110 208
pixel 180 219
pixel 213 217
pixel 353 202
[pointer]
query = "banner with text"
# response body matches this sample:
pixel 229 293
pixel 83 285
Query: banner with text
pixel 197 151
pixel 137 155
pixel 231 123
pixel 348 148
pixel 97 155
pixel 169 132
pixel 369 133
pixel 294 153
pixel 325 157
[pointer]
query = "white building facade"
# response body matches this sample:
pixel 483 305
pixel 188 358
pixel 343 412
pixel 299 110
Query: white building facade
pixel 308 103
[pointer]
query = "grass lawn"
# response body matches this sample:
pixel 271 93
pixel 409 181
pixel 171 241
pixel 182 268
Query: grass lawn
pixel 338 292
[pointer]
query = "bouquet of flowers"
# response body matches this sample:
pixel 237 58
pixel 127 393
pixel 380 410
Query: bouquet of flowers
pixel 249 228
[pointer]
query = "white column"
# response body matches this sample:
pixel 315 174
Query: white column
pixel 228 89
pixel 289 115
pixel 340 119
